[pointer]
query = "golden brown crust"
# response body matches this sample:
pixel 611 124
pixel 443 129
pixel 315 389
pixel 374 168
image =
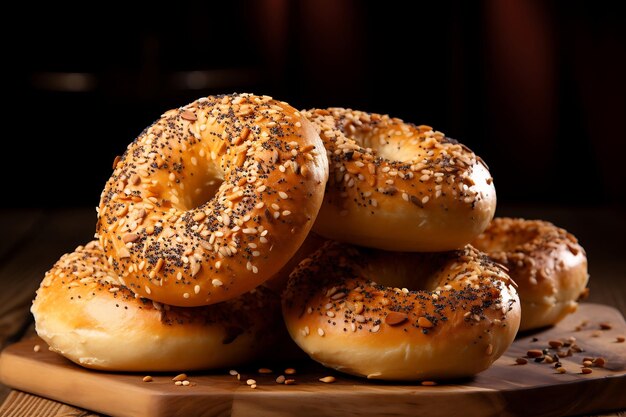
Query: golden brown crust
pixel 212 199
pixel 547 263
pixel 397 186
pixel 84 313
pixel 463 320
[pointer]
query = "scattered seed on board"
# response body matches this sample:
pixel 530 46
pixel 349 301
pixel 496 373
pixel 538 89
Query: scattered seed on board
pixel 328 379
pixel 280 379
pixel 290 371
pixel 600 362
pixel 251 382
pixel 36 348
pixel 521 361
pixel 233 372
pixel 586 370
pixel 147 378
pixel 265 371
pixel 179 377
pixel 429 383
pixel 555 344
pixel 290 381
pixel 560 370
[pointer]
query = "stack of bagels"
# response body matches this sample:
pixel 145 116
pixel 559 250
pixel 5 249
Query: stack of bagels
pixel 372 238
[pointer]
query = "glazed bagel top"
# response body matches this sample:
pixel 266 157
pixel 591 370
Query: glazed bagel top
pixel 397 186
pixel 350 308
pixel 536 250
pixel 83 312
pixel 547 263
pixel 212 199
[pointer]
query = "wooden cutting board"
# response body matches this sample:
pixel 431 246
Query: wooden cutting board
pixel 504 389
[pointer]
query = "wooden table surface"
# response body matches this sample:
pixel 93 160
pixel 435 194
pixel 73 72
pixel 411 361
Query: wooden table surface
pixel 33 239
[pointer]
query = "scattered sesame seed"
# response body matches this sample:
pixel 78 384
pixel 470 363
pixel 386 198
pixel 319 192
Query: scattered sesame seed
pixel 250 382
pixel 328 379
pixel 424 322
pixel 180 377
pixel 265 371
pixel 555 344
pixel 147 378
pixel 429 383
pixel 290 381
pixel 521 361
pixel 233 372
pixel 290 371
pixel 280 379
pixel 600 362
pixel 586 370
pixel 561 370
pixel 36 348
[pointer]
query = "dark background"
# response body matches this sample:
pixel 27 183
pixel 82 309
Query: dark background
pixel 536 88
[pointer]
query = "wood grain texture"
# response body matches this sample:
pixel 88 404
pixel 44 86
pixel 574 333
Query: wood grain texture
pixel 504 389
pixel 20 404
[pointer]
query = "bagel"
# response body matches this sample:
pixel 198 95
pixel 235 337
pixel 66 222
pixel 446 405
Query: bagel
pixel 396 186
pixel 83 312
pixel 547 263
pixel 212 199
pixel 344 308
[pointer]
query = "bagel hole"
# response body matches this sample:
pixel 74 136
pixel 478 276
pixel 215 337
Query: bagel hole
pixel 393 149
pixel 201 184
pixel 204 192
pixel 414 271
pixel 508 242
